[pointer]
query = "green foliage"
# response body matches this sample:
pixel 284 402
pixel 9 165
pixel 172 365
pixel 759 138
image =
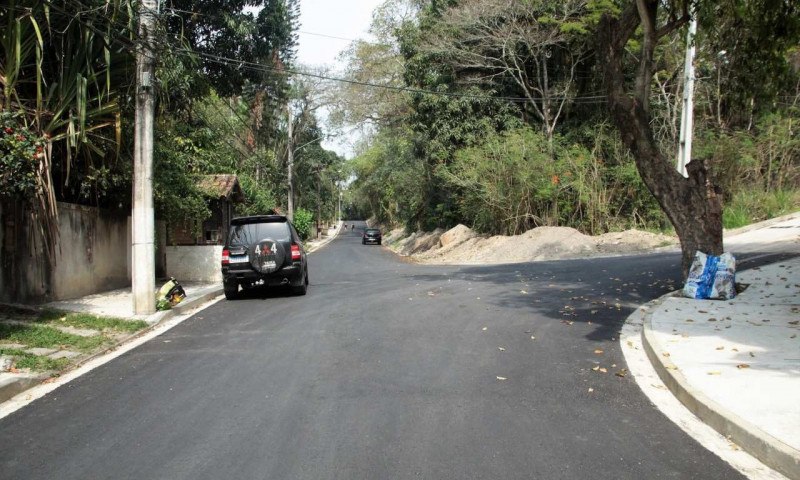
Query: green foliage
pixel 302 222
pixel 35 363
pixel 391 183
pixel 175 193
pixel 748 207
pixel 516 180
pixel 86 320
pixel 20 154
pixel 258 199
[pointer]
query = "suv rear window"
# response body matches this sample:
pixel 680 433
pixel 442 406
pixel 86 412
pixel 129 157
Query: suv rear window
pixel 249 233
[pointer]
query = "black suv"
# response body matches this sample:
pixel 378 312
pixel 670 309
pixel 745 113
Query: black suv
pixel 263 250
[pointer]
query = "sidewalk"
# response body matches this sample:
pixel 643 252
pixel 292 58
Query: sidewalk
pixel 736 364
pixel 119 304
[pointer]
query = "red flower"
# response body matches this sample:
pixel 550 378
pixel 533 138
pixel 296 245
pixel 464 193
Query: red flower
pixel 9 130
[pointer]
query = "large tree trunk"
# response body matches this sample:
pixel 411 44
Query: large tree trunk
pixel 693 204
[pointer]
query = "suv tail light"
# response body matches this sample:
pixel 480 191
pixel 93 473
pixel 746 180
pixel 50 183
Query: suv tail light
pixel 226 257
pixel 295 252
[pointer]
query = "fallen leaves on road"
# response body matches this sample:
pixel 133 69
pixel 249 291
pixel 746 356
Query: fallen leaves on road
pixel 742 365
pixel 501 378
pixel 622 373
pixel 598 351
pixel 598 368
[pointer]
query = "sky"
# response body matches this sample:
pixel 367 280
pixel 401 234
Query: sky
pixel 326 28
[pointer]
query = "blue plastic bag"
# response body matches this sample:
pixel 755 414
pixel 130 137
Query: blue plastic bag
pixel 711 277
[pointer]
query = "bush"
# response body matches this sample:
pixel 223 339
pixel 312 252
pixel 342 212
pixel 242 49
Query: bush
pixel 20 153
pixel 302 222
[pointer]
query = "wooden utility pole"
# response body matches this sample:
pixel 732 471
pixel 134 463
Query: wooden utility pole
pixel 142 215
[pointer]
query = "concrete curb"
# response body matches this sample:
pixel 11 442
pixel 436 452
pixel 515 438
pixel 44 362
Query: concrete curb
pixel 183 307
pixel 762 224
pixel 9 387
pixel 766 448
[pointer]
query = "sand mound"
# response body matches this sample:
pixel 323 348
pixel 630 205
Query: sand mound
pixel 632 241
pixel 458 234
pixel 461 245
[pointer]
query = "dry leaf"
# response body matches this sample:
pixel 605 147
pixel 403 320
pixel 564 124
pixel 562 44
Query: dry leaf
pixel 742 365
pixel 501 349
pixel 598 351
pixel 485 328
pixel 533 338
pixel 720 348
pixel 501 378
pixel 596 368
pixel 665 354
pixel 591 390
pixel 622 373
pixel 523 292
pixel 603 370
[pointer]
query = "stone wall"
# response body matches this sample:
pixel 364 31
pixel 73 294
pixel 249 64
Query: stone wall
pixel 93 255
pixel 194 263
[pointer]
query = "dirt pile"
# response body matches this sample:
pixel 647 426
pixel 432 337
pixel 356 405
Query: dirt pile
pixel 461 245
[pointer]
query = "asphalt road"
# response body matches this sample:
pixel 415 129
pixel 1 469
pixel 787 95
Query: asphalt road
pixel 385 369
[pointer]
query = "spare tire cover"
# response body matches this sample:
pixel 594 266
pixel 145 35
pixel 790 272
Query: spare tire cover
pixel 267 255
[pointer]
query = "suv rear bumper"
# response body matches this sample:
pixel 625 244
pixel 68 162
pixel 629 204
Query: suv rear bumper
pixel 289 275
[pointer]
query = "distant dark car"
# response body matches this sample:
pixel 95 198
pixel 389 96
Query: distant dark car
pixel 263 250
pixel 371 235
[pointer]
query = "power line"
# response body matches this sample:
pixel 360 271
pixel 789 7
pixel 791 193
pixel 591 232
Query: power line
pixel 254 66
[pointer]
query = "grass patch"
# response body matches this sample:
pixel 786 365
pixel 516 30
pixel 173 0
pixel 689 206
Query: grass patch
pixel 35 363
pixel 86 320
pixel 42 336
pixel 748 207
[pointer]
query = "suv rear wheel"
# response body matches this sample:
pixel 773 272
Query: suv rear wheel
pixel 231 290
pixel 303 288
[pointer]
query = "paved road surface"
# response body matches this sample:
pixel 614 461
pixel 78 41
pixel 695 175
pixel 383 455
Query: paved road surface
pixel 384 370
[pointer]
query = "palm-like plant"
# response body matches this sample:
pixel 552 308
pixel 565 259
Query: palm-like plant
pixel 63 65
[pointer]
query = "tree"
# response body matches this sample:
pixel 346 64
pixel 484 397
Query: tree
pixel 533 48
pixel 693 205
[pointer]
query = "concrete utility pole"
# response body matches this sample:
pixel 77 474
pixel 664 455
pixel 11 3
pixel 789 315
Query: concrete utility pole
pixel 687 114
pixel 290 164
pixel 143 223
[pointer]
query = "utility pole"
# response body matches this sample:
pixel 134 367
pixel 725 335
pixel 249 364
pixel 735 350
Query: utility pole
pixel 142 215
pixel 687 113
pixel 290 164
